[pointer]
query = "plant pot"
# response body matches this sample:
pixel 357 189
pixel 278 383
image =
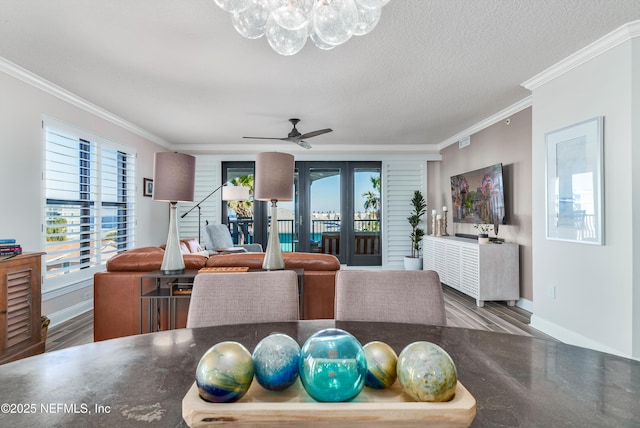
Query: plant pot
pixel 412 263
pixel 483 238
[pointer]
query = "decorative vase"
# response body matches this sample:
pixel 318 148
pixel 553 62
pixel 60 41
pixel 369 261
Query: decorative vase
pixel 412 263
pixel 483 238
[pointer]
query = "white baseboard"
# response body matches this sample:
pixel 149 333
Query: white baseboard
pixel 525 304
pixel 571 337
pixel 70 312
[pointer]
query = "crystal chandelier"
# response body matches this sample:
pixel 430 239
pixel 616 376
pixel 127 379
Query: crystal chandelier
pixel 288 23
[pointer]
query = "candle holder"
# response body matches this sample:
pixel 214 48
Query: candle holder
pixel 433 225
pixel 444 224
pixel 439 233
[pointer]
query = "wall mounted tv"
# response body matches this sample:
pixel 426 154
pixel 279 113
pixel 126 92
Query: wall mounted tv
pixel 478 196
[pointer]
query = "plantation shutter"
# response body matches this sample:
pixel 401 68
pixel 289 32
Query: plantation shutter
pixel 401 178
pixel 90 202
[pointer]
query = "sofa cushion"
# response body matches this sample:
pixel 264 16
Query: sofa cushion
pixel 187 246
pixel 307 261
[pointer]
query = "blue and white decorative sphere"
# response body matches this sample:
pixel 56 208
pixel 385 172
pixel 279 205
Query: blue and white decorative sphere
pixel 381 365
pixel 276 361
pixel 426 372
pixel 333 366
pixel 224 373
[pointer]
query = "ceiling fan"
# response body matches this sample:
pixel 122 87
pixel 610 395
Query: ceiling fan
pixel 295 136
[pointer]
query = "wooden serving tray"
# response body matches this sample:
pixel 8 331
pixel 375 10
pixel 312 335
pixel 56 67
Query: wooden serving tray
pixel 294 407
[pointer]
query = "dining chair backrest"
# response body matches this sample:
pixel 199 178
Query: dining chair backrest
pixel 243 297
pixel 401 296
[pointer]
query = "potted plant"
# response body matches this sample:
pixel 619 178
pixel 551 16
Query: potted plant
pixel 414 261
pixel 484 229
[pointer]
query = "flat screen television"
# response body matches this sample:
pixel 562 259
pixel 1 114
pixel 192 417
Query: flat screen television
pixel 478 196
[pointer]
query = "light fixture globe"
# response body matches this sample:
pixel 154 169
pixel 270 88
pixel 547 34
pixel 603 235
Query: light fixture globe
pixel 320 44
pixel 233 6
pixel 372 4
pixel 294 15
pixel 251 22
pixel 367 20
pixel 285 42
pixel 334 22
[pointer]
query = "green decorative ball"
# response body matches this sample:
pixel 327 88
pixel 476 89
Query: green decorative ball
pixel 381 365
pixel 426 372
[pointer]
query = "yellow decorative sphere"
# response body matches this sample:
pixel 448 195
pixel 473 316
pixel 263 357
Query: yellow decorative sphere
pixel 224 373
pixel 381 365
pixel 426 372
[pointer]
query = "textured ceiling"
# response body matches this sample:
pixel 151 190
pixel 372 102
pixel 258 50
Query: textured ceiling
pixel 178 68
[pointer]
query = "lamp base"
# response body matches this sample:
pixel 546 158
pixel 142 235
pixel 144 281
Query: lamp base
pixel 273 255
pixel 172 262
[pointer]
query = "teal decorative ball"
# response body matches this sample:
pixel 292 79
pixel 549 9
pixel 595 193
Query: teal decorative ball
pixel 381 365
pixel 426 372
pixel 224 373
pixel 276 361
pixel 333 366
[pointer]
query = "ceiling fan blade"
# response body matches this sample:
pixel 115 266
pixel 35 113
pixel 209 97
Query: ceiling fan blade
pixel 315 133
pixel 303 144
pixel 265 138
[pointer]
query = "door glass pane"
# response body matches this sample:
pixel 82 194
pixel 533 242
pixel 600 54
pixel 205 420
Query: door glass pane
pixel 287 232
pixel 366 215
pixel 325 210
pixel 240 213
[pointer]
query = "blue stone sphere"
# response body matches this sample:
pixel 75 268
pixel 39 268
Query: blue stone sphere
pixel 276 361
pixel 333 366
pixel 224 373
pixel 426 372
pixel 381 365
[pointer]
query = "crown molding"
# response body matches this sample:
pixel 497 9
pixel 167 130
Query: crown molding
pixel 616 37
pixel 427 150
pixel 491 120
pixel 44 85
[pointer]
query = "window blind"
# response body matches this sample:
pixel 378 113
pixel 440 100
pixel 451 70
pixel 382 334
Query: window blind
pixel 90 202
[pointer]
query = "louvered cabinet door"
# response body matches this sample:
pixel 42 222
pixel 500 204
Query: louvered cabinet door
pixel 20 307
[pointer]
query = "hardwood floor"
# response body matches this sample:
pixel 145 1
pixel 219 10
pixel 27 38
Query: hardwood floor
pixel 461 312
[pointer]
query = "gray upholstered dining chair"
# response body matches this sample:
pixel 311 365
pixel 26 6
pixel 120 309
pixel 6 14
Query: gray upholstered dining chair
pixel 222 298
pixel 413 297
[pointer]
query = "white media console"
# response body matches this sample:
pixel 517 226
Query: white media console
pixel 482 271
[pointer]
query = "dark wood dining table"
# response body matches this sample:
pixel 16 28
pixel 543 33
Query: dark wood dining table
pixel 141 380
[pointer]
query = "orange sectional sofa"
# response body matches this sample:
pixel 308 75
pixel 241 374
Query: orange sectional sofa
pixel 116 301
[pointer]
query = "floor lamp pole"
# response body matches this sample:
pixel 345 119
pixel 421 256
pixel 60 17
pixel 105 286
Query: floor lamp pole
pixel 199 208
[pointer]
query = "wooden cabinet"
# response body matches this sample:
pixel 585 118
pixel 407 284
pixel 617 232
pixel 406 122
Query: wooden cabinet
pixel 20 301
pixel 482 271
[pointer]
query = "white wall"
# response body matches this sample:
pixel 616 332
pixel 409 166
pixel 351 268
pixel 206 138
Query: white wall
pixel 596 299
pixel 21 161
pixel 635 202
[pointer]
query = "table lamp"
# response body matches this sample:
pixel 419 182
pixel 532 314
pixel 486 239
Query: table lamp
pixel 274 182
pixel 173 180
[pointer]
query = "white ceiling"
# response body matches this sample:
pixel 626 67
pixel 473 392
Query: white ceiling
pixel 178 68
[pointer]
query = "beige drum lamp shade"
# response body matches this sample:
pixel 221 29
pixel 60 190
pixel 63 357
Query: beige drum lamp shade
pixel 274 176
pixel 173 177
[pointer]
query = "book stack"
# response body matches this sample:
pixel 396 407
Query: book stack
pixel 9 248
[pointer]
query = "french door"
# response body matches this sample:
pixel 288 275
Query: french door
pixel 336 210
